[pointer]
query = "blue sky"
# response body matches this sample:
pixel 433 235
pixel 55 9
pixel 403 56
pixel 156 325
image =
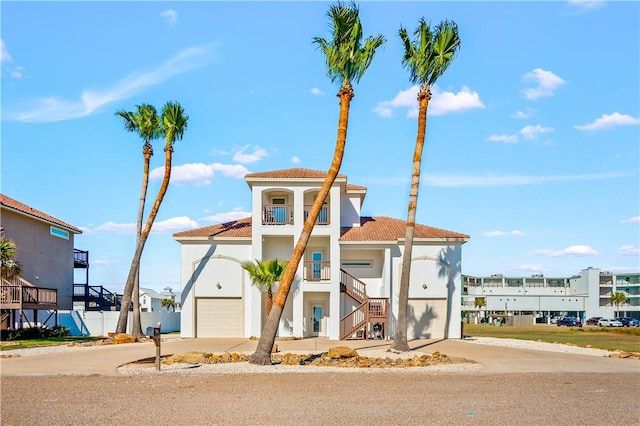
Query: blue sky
pixel 532 142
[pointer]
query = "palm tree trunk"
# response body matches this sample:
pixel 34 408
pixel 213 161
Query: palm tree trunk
pixel 136 326
pixel 400 335
pixel 262 355
pixel 142 239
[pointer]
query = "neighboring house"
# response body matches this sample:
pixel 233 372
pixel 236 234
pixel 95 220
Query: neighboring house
pixel 347 284
pixel 585 295
pixel 44 247
pixel 151 300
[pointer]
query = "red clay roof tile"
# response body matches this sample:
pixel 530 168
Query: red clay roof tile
pixel 23 208
pixel 371 229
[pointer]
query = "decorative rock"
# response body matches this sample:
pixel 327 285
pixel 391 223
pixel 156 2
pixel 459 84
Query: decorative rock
pixel 123 338
pixel 342 352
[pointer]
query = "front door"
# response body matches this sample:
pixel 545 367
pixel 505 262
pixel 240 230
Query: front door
pixel 318 319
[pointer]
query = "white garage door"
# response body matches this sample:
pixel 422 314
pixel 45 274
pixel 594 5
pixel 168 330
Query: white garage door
pixel 219 317
pixel 426 318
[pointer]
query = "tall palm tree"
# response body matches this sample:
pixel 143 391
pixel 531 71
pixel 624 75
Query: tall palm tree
pixel 618 298
pixel 9 267
pixel 346 59
pixel 265 274
pixel 426 57
pixel 480 302
pixel 146 123
pixel 174 124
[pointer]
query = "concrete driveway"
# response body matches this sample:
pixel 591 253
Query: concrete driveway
pixel 105 360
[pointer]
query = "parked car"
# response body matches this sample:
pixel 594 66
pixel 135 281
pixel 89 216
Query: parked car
pixel 629 322
pixel 569 322
pixel 554 320
pixel 593 321
pixel 609 322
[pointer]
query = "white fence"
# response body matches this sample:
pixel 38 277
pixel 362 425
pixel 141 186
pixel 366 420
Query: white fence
pixel 101 323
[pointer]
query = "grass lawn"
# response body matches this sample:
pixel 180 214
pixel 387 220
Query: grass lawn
pixel 52 341
pixel 624 339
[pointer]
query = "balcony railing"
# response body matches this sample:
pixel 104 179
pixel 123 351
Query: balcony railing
pixel 317 270
pixel 277 214
pixel 323 216
pixel 27 297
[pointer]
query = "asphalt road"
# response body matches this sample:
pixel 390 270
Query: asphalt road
pixel 512 387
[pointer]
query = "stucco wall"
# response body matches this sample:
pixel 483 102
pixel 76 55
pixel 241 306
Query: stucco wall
pixel 47 260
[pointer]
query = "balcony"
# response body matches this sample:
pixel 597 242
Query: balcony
pixel 323 216
pixel 317 270
pixel 277 214
pixel 18 294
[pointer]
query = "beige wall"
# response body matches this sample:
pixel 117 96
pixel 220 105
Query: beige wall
pixel 47 260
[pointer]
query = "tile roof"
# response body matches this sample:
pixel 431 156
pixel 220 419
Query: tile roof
pixel 387 229
pixel 12 204
pixel 298 173
pixel 371 229
pixel 235 229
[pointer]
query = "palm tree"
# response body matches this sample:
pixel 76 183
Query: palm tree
pixel 264 274
pixel 480 302
pixel 346 60
pixel 168 303
pixel 174 124
pixel 427 57
pixel 146 123
pixel 9 267
pixel 618 298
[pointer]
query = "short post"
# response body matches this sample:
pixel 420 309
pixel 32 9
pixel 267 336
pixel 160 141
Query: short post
pixel 156 341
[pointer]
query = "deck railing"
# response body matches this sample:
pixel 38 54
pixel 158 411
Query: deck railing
pixel 277 214
pixel 317 270
pixel 27 297
pixel 323 216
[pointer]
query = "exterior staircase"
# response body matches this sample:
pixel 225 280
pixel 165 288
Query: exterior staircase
pixel 370 318
pixel 96 298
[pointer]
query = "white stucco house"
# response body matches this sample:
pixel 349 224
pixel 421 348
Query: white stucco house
pixel 151 300
pixel 347 284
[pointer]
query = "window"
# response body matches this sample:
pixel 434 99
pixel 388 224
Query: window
pixel 356 263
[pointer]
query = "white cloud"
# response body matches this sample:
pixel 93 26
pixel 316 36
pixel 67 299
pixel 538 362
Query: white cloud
pixel 578 250
pixel 170 15
pixel 530 267
pixel 515 233
pixel 316 91
pixel 629 250
pixel 117 228
pixel 546 83
pixel 451 181
pixel 4 53
pixel 523 114
pixel 53 109
pixel 608 121
pixel 631 219
pixel 295 160
pixel 199 173
pixel 532 132
pixel 503 138
pixel 528 132
pixel 159 227
pixel 585 5
pixel 243 158
pixel 227 216
pixel 174 224
pixel 441 103
pixel 445 102
pixel 17 72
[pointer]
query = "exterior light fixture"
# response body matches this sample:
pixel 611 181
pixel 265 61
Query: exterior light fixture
pixel 424 286
pixel 218 286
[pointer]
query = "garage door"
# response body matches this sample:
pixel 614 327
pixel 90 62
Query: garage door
pixel 219 317
pixel 426 318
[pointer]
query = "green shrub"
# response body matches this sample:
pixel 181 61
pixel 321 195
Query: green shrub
pixel 35 333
